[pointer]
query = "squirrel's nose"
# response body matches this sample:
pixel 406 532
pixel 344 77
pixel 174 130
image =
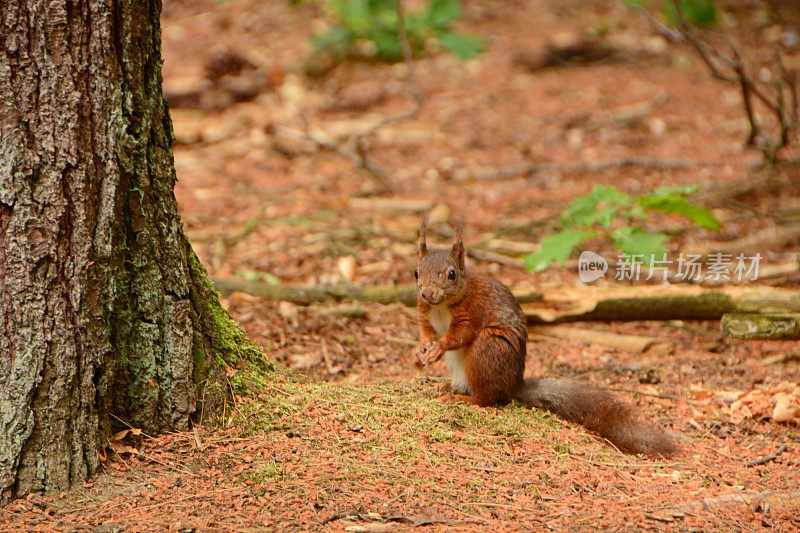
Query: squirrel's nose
pixel 427 293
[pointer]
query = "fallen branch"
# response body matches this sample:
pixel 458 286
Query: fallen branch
pixel 771 499
pixel 383 294
pixel 348 311
pixel 559 304
pixel 627 343
pixel 508 247
pixel 627 116
pixel 485 174
pixel 774 238
pixel 670 397
pixel 400 340
pixel 764 182
pixel 582 304
pixel 526 228
pixel 737 205
pixel 706 306
pixel 247 228
pixel 767 458
pixel 494 257
pixel 781 358
pixel 389 204
pixel 758 326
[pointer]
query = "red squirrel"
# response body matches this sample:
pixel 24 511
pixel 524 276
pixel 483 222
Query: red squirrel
pixel 476 324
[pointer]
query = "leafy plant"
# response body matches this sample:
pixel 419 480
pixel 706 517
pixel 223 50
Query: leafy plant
pixel 618 216
pixel 700 13
pixel 376 22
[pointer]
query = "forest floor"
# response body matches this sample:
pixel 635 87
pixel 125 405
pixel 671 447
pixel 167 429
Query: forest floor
pixel 348 435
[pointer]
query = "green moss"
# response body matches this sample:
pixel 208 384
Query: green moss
pixel 370 406
pixel 230 344
pixel 337 435
pixel 561 448
pixel 201 363
pixel 422 429
pixel 265 472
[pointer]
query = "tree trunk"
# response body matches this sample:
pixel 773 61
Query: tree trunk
pixel 104 308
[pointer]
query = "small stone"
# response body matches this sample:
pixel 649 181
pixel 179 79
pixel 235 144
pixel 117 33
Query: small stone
pixel 347 267
pixel 574 138
pixel 655 45
pixel 448 163
pixel 432 174
pixel 790 39
pixel 657 127
pixel 287 310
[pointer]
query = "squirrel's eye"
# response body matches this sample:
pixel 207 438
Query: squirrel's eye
pixel 451 274
pixel 416 274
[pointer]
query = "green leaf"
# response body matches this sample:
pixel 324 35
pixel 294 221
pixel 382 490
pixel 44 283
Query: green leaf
pixel 672 204
pixel 376 21
pixel 635 212
pixel 336 39
pixel 583 211
pixel 636 241
pixel 386 18
pixel 442 12
pixel 606 214
pixel 355 16
pixel 556 248
pixel 462 45
pixel 389 46
pixel 633 4
pixel 701 13
pixel 580 211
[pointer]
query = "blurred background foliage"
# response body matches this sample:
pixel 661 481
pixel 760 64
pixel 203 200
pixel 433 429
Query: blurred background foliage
pixel 369 29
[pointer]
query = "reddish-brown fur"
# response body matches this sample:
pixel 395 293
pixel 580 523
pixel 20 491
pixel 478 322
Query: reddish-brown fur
pixel 488 324
pixel 493 366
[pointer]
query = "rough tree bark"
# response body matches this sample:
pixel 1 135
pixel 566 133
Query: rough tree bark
pixel 104 308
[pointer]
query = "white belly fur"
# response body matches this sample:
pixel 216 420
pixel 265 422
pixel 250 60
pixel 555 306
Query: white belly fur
pixel 440 320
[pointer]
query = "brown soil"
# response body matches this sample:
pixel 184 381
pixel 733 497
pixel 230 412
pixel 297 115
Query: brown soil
pixel 363 445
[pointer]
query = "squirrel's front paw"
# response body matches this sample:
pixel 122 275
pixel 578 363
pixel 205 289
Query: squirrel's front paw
pixel 444 388
pixel 433 353
pixel 419 354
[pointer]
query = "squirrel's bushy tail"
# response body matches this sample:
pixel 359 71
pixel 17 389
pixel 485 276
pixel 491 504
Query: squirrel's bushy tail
pixel 598 411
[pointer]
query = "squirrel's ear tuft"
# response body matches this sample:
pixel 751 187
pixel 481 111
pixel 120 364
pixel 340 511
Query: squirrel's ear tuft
pixel 423 228
pixel 457 251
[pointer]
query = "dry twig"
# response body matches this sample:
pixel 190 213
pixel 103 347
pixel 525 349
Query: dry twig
pixel 355 147
pixel 780 98
pixel 781 358
pixel 767 458
pixel 532 169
